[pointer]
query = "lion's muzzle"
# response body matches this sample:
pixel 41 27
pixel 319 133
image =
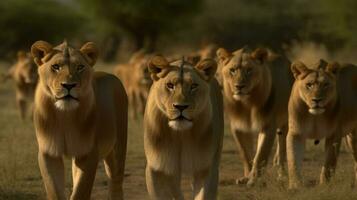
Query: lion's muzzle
pixel 180 122
pixel 317 106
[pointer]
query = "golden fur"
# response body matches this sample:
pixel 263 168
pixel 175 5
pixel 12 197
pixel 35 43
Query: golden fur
pixel 183 128
pixel 24 74
pixel 323 104
pixel 81 114
pixel 256 89
pixel 137 82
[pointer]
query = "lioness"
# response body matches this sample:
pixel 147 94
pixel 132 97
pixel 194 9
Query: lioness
pixel 24 74
pixel 137 82
pixel 256 89
pixel 81 114
pixel 323 104
pixel 183 128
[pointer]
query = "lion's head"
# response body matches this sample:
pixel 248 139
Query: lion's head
pixel 26 68
pixel 316 85
pixel 142 72
pixel 181 89
pixel 65 72
pixel 242 71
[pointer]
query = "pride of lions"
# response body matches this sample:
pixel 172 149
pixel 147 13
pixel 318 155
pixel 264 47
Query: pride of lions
pixel 83 114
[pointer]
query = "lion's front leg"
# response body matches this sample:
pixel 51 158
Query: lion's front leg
pixel 295 145
pixel 161 186
pixel 114 167
pixel 264 146
pixel 52 171
pixel 21 103
pixel 352 141
pixel 280 155
pixel 83 172
pixel 332 148
pixel 244 142
pixel 205 184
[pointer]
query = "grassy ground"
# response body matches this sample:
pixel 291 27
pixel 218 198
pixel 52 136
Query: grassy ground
pixel 20 177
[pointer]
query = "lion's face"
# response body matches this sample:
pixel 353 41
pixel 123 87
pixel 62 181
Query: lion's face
pixel 316 86
pixel 65 73
pixel 142 73
pixel 28 70
pixel 182 90
pixel 242 71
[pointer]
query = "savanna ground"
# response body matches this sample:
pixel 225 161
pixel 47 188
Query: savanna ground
pixel 20 177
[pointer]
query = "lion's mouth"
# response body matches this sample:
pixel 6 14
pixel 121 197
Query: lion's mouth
pixel 241 93
pixel 181 118
pixel 68 97
pixel 316 110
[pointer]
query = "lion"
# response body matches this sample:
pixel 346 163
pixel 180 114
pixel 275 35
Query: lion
pixel 183 128
pixel 24 74
pixel 81 114
pixel 137 82
pixel 256 87
pixel 323 104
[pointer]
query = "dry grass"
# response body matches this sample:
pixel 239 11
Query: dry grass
pixel 20 178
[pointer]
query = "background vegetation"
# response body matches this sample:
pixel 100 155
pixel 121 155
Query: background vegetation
pixel 129 25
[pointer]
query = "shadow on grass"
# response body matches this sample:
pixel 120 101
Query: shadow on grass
pixel 17 195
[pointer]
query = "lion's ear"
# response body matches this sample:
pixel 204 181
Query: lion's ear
pixel 90 51
pixel 223 55
pixel 299 69
pixel 260 54
pixel 39 50
pixel 157 66
pixel 207 68
pixel 193 59
pixel 333 68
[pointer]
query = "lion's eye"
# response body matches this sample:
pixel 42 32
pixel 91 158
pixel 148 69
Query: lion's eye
pixel 194 86
pixel 80 67
pixel 309 85
pixel 55 67
pixel 249 71
pixel 170 86
pixel 232 70
pixel 325 85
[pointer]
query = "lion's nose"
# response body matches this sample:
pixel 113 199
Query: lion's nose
pixel 68 86
pixel 239 86
pixel 180 107
pixel 316 100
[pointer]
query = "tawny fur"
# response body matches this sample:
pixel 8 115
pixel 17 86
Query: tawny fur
pixel 93 129
pixel 24 75
pixel 137 82
pixel 256 88
pixel 333 116
pixel 176 147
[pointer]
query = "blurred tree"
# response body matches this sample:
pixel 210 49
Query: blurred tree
pixel 144 20
pixel 22 22
pixel 235 23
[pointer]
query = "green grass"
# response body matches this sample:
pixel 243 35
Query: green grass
pixel 20 177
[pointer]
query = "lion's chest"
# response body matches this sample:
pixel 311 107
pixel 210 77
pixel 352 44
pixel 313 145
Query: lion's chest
pixel 180 154
pixel 315 128
pixel 64 139
pixel 196 156
pixel 249 120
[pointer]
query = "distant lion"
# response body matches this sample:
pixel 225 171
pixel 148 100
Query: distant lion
pixel 24 74
pixel 137 82
pixel 323 104
pixel 256 88
pixel 183 128
pixel 81 114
